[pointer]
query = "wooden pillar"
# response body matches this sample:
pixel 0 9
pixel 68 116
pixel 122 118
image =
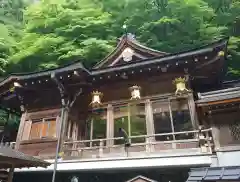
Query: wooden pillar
pixel 171 119
pixel 215 131
pixel 91 132
pixel 69 129
pixel 26 130
pixel 10 174
pixel 20 130
pixel 64 128
pixel 129 121
pixel 110 125
pixel 58 122
pixel 149 122
pixel 192 111
pixel 74 131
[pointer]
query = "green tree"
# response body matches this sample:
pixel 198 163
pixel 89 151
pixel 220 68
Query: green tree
pixel 59 33
pixel 227 14
pixel 11 21
pixel 175 25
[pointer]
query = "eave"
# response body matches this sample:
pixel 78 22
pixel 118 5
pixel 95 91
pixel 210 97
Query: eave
pixel 224 96
pixel 167 60
pixel 32 75
pixel 36 81
pixel 10 157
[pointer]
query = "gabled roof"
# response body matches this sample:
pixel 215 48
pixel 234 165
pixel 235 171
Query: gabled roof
pixel 170 58
pixel 142 178
pixel 140 52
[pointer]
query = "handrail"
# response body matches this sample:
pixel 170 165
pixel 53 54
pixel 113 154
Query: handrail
pixel 201 141
pixel 140 144
pixel 138 136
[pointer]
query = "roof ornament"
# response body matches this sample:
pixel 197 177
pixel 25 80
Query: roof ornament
pixel 128 35
pixel 124 27
pixel 131 36
pixel 127 54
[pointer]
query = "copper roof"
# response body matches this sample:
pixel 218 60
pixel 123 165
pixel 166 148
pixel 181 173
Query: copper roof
pixel 218 95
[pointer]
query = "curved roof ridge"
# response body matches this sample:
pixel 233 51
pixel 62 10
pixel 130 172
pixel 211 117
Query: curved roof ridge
pixel 170 56
pixel 130 40
pixel 146 47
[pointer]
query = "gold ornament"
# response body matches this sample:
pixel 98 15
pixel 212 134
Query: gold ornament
pixel 12 89
pixel 96 99
pixel 135 92
pixel 180 84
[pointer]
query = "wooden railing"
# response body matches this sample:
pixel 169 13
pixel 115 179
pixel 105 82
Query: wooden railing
pixel 8 144
pixel 196 141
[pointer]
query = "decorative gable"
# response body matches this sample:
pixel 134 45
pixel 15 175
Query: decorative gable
pixel 141 179
pixel 128 51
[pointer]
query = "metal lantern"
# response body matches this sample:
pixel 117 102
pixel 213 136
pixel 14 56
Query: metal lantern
pixel 16 84
pixel 135 92
pixel 12 89
pixel 180 84
pixel 96 99
pixel 221 53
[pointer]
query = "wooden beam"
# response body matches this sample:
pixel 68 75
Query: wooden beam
pixel 20 130
pixel 224 101
pixel 218 102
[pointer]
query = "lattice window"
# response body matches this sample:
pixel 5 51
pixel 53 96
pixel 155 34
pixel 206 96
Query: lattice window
pixel 235 130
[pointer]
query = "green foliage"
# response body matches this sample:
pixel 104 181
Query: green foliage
pixel 57 34
pixel 11 25
pixel 50 33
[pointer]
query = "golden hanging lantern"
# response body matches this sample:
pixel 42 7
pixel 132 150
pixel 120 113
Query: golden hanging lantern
pixel 96 99
pixel 135 92
pixel 180 84
pixel 12 89
pixel 221 53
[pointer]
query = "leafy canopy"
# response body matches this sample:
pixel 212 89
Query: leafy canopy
pixel 57 32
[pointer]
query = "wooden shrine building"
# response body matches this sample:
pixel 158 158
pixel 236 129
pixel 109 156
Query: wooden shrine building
pixel 135 103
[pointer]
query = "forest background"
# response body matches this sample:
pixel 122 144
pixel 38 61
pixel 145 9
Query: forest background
pixel 42 34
